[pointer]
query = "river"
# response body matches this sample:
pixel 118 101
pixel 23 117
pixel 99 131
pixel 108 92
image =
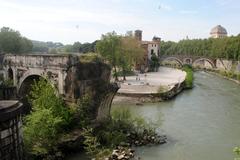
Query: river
pixel 201 124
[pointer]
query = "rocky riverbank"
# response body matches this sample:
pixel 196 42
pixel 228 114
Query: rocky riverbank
pixel 124 150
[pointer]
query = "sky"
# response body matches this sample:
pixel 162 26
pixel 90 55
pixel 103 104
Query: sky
pixel 68 21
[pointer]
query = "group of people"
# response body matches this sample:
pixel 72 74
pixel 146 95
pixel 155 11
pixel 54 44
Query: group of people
pixel 138 77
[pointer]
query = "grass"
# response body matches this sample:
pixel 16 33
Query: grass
pixel 90 57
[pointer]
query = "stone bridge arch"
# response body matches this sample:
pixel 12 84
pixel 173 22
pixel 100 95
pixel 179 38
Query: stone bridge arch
pixel 10 73
pixel 50 76
pixel 173 59
pixel 26 83
pixel 204 59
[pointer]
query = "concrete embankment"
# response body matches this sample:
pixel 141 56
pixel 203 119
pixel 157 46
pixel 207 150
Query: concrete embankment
pixel 153 87
pixel 225 77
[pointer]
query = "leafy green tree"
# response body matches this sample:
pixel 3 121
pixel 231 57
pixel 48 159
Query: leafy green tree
pixel 76 47
pixel 109 48
pixel 227 48
pixel 154 63
pixel 11 41
pixel 52 51
pixel 131 53
pixel 122 52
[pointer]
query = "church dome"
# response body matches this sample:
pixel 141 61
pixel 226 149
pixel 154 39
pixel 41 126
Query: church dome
pixel 218 30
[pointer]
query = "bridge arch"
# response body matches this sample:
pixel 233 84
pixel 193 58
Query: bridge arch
pixel 173 59
pixel 187 61
pixel 27 82
pixel 204 59
pixel 10 73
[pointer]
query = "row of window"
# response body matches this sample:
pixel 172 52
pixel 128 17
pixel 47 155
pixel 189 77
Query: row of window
pixel 155 45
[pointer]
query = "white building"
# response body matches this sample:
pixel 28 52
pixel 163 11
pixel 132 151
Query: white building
pixel 152 47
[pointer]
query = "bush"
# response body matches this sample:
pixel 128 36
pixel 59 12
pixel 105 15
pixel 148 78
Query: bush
pixel 6 83
pixel 189 77
pixel 238 77
pixel 49 117
pixel 90 57
pixel 154 63
pixel 162 89
pixel 100 141
pixel 126 73
pixel 41 131
pixel 83 111
pixel 236 150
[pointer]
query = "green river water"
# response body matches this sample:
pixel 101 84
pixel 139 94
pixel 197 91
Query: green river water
pixel 201 124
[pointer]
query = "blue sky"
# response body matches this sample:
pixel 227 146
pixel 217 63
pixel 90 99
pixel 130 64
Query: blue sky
pixel 68 21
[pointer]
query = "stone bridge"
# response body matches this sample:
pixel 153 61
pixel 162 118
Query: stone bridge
pixel 71 75
pixel 192 60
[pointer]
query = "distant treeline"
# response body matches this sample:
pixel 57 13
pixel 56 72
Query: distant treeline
pixel 12 41
pixel 57 47
pixel 227 48
pixel 44 47
pixel 80 47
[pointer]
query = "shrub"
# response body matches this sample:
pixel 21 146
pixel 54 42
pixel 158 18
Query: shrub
pixel 83 111
pixel 90 57
pixel 6 83
pixel 189 77
pixel 41 131
pixel 100 141
pixel 238 77
pixel 162 89
pixel 237 151
pixel 48 119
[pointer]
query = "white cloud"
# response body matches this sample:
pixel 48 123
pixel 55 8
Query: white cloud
pixel 223 2
pixel 165 7
pixel 55 23
pixel 188 12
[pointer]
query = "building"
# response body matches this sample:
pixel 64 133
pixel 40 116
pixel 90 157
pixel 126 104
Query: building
pixel 218 32
pixel 150 47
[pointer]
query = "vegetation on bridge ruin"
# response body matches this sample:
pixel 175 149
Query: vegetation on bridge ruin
pixel 48 119
pixel 51 120
pixel 227 48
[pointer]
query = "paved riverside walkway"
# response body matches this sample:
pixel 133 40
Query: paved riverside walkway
pixel 150 82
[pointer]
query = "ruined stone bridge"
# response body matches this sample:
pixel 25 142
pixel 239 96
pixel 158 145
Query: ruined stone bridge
pixel 192 60
pixel 71 75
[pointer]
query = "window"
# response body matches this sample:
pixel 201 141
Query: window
pixel 152 51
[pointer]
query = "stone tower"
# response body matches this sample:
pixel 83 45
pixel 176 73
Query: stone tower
pixel 138 35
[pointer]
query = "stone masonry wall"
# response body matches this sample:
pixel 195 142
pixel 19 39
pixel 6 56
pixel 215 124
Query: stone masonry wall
pixel 228 65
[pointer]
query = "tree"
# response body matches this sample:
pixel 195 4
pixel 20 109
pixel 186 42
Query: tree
pixel 52 51
pixel 154 63
pixel 12 42
pixel 26 45
pixel 76 47
pixel 122 52
pixel 109 48
pixel 228 47
pixel 131 53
